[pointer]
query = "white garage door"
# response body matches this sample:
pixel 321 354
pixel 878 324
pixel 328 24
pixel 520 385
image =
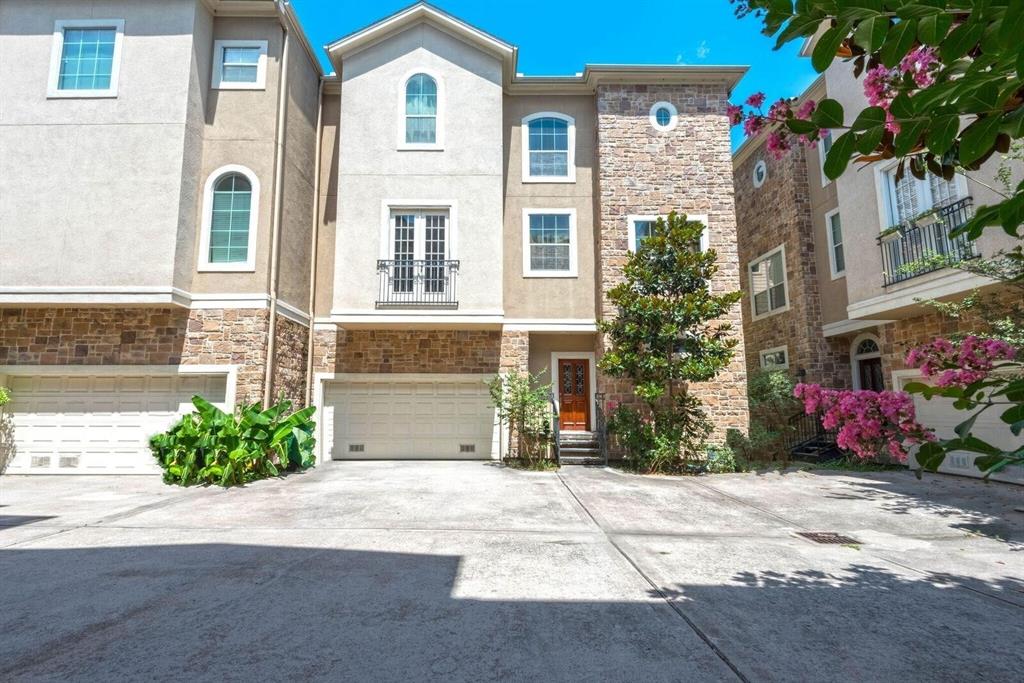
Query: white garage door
pixel 940 415
pixel 98 424
pixel 379 418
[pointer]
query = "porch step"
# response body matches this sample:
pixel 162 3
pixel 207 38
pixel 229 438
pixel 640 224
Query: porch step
pixel 580 459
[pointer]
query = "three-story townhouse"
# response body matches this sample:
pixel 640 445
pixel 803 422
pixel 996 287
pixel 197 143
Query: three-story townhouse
pixel 378 241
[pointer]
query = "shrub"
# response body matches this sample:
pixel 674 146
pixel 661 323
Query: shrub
pixel 721 460
pixel 772 406
pixel 522 402
pixel 663 439
pixel 209 446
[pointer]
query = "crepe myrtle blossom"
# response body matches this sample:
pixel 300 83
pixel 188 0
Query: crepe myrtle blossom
pixel 921 63
pixel 867 423
pixel 959 365
pixel 780 138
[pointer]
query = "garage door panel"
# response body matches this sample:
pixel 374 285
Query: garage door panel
pixel 98 423
pixel 428 418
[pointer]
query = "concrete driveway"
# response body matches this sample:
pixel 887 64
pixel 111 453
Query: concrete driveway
pixel 469 571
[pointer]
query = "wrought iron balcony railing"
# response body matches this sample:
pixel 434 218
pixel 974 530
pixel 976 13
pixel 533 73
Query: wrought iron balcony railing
pixel 427 283
pixel 925 244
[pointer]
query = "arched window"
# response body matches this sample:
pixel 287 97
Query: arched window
pixel 421 110
pixel 866 363
pixel 230 208
pixel 549 141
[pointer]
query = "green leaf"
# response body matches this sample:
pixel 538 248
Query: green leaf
pixel 916 387
pixel 839 156
pixel 916 10
pixel 800 127
pixel 1012 29
pixel 1014 417
pixel 930 456
pixel 978 138
pixel 963 430
pixel 871 34
pixel 909 136
pixel 828 114
pixel 869 118
pixel 960 40
pixel 899 41
pixel 827 46
pixel 869 140
pixel 932 29
pixel 942 133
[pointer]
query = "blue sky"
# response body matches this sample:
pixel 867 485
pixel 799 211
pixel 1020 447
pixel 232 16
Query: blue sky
pixel 558 38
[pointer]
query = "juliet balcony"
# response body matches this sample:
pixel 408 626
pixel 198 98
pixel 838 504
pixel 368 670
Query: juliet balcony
pixel 926 243
pixel 422 283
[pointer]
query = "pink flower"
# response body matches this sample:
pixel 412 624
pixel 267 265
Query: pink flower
pixel 879 86
pixel 962 365
pixel 753 124
pixel 805 110
pixel 735 113
pixel 778 144
pixel 920 63
pixel 891 124
pixel 756 100
pixel 780 110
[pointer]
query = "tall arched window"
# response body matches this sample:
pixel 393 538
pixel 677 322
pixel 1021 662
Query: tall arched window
pixel 421 110
pixel 230 207
pixel 549 141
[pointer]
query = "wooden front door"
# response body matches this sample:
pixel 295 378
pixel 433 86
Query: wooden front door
pixel 871 377
pixel 574 394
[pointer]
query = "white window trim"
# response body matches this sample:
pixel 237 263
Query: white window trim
pixel 884 193
pixel 631 220
pixel 673 122
pixel 759 164
pixel 785 283
pixel 836 274
pixel 57 50
pixel 855 357
pixel 249 265
pixel 438 144
pixel 571 157
pixel 528 271
pixel 821 162
pixel 218 65
pixel 774 349
pixel 591 359
pixel 386 246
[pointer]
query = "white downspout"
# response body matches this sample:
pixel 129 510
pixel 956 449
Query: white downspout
pixel 314 241
pixel 278 211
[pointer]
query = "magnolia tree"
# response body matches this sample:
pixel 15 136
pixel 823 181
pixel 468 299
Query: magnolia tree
pixel 944 84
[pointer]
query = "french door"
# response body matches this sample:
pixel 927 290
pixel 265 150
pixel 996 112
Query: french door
pixel 574 394
pixel 419 248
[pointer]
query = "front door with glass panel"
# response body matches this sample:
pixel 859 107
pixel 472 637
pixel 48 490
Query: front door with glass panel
pixel 574 394
pixel 419 249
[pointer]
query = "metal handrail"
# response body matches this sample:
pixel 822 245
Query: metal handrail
pixel 426 283
pixel 807 428
pixel 909 249
pixel 555 427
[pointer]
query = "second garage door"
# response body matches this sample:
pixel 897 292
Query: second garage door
pixel 424 418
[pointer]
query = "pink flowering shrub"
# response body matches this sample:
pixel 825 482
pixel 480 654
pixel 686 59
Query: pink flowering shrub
pixel 959 366
pixel 868 423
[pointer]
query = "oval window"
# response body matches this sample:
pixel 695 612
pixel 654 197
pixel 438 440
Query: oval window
pixel 760 173
pixel 663 116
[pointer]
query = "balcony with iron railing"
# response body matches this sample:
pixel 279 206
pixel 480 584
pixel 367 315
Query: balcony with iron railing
pixel 422 283
pixel 927 243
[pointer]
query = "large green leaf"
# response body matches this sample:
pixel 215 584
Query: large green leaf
pixel 827 46
pixel 932 29
pixel 828 114
pixel 869 118
pixel 900 39
pixel 1014 416
pixel 978 139
pixel 839 156
pixel 870 34
pixel 930 456
pixel 960 40
pixel 942 133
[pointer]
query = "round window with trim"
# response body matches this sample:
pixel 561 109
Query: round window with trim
pixel 664 116
pixel 760 173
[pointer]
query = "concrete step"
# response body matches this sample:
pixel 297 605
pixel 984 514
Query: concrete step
pixel 566 459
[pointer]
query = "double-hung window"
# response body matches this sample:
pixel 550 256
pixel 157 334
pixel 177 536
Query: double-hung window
pixel 86 57
pixel 240 65
pixel 909 197
pixel 836 255
pixel 776 358
pixel 768 288
pixel 641 227
pixel 230 211
pixel 824 145
pixel 549 141
pixel 549 243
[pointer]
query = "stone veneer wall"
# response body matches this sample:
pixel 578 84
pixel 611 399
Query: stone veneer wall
pixel 779 212
pixel 413 351
pixel 515 351
pixel 138 336
pixel 290 343
pixel 689 169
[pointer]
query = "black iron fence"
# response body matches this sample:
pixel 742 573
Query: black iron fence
pixel 926 244
pixel 804 429
pixel 429 283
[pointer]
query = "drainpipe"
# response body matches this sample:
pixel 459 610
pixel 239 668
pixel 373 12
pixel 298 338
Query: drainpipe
pixel 278 209
pixel 314 240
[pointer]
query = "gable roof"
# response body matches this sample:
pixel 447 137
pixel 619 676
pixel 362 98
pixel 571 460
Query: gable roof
pixel 581 83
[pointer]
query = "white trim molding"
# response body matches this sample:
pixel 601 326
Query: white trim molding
pixel 784 349
pixel 53 89
pixel 591 359
pixel 631 220
pixel 673 116
pixel 833 271
pixel 528 270
pixel 229 371
pixel 570 167
pixel 949 283
pixel 249 265
pixel 581 325
pixel 841 327
pixel 785 283
pixel 439 114
pixel 216 78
